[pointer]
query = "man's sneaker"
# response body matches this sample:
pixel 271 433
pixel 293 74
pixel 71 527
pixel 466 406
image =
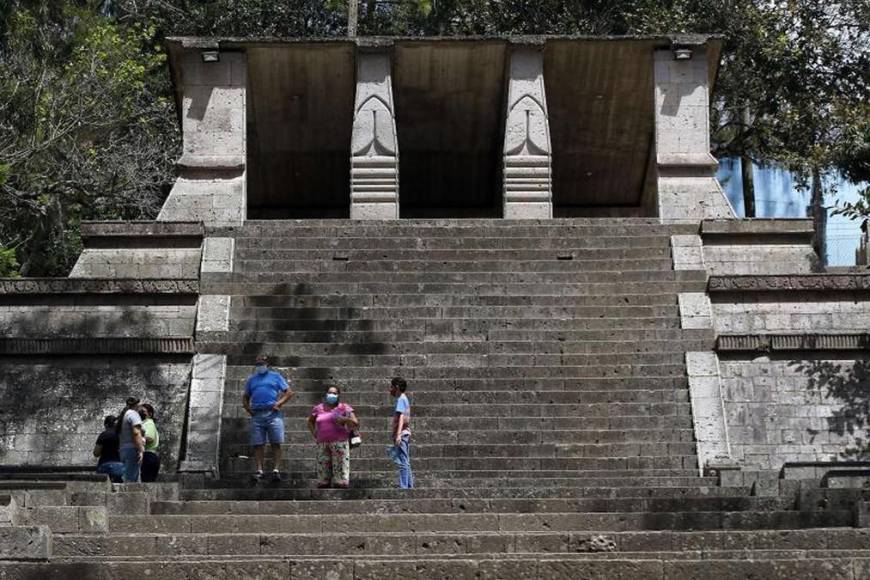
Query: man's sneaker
pixel 276 476
pixel 257 476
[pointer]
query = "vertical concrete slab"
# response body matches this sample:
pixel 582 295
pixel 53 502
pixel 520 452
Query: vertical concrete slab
pixel 211 182
pixel 528 191
pixel 374 162
pixel 687 187
pixel 708 409
pixel 204 415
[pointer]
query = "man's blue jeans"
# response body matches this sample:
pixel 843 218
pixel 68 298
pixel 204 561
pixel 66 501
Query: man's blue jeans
pixel 403 459
pixel 130 458
pixel 114 469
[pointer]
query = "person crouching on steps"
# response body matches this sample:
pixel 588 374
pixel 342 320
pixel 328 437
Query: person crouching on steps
pixel 330 424
pixel 402 432
pixel 266 391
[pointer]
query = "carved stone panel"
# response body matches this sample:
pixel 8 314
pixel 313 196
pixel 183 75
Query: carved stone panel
pixel 527 159
pixel 374 164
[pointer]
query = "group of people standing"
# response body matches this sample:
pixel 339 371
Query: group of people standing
pixel 127 447
pixel 332 424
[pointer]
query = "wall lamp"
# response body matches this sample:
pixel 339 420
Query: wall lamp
pixel 682 53
pixel 211 56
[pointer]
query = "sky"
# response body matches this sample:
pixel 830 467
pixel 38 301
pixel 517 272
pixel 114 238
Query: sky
pixel 777 197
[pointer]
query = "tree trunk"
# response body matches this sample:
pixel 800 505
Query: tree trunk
pixel 352 17
pixel 819 213
pixel 746 172
pixel 748 186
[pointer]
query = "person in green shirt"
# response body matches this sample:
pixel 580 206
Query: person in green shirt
pixel 150 458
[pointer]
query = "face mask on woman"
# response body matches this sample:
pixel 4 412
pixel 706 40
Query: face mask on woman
pixel 331 398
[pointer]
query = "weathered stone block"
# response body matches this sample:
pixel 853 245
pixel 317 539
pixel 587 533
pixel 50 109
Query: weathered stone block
pixel 25 543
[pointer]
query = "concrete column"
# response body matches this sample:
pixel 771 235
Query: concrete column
pixel 374 161
pixel 211 182
pixel 687 187
pixel 528 187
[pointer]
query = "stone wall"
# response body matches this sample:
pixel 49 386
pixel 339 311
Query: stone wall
pixel 803 407
pixel 138 263
pixel 81 318
pixel 758 246
pixel 52 409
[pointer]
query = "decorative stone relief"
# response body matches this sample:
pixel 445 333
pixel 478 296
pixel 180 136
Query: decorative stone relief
pixel 527 160
pixel 810 282
pixel 374 162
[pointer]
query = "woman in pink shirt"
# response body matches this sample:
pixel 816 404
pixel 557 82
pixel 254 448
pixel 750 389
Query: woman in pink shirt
pixel 330 424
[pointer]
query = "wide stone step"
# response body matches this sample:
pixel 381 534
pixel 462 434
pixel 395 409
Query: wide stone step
pixel 707 488
pixel 472 242
pixel 500 360
pixel 444 522
pixel 552 265
pixel 349 374
pixel 592 280
pixel 533 424
pixel 430 465
pixel 767 564
pixel 482 449
pixel 331 345
pixel 222 284
pixel 457 327
pixel 417 299
pixel 479 481
pixel 524 311
pixel 473 506
pixel 238 374
pixel 664 349
pixel 452 228
pixel 355 397
pixel 577 411
pixel 237 431
pixel 577 254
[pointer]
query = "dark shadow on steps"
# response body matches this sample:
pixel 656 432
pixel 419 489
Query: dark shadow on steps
pixel 847 384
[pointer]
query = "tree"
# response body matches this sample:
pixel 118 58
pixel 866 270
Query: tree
pixel 86 128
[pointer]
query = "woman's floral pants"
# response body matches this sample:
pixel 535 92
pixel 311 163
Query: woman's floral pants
pixel 333 463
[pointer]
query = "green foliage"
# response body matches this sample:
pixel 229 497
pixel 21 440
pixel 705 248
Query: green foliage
pixel 86 130
pixel 8 263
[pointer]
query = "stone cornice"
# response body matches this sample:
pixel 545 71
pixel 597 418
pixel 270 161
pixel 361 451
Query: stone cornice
pixel 791 283
pixel 37 286
pixel 791 342
pixel 754 227
pixel 96 345
pixel 144 228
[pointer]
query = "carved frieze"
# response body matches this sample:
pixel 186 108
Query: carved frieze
pixel 791 342
pixel 96 286
pixel 95 345
pixel 798 282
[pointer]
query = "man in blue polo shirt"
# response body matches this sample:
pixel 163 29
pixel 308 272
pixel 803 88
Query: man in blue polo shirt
pixel 266 391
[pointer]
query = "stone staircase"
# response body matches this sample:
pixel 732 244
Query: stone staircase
pixel 553 434
pixel 546 352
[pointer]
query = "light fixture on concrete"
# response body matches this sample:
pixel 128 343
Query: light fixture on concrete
pixel 682 54
pixel 211 56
